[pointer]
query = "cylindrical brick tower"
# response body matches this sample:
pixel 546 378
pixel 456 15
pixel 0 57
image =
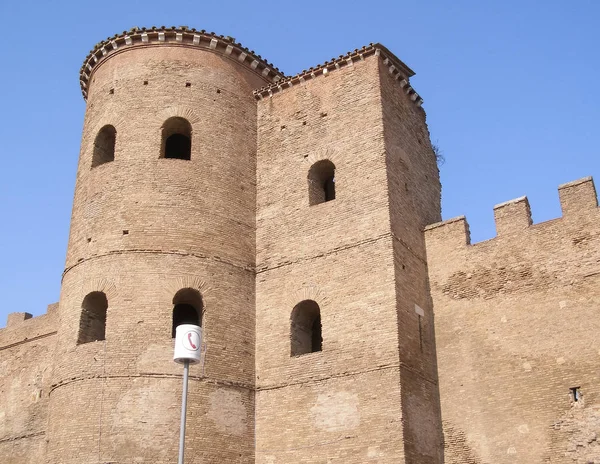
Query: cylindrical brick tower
pixel 162 232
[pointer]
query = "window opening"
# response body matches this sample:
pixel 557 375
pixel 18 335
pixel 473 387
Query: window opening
pixel 321 182
pixel 176 139
pixel 92 323
pixel 305 328
pixel 576 394
pixel 187 308
pixel 104 146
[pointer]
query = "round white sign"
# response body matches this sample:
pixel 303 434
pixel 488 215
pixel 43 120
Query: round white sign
pixel 191 340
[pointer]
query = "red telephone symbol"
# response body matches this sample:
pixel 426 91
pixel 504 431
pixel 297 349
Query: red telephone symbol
pixel 190 340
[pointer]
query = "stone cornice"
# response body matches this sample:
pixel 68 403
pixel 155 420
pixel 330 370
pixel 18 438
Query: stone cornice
pixel 175 36
pixel 397 69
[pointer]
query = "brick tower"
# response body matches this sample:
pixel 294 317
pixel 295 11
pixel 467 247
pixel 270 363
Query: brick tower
pixel 162 232
pixel 345 352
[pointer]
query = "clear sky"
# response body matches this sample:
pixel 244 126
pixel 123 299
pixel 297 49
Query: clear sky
pixel 511 91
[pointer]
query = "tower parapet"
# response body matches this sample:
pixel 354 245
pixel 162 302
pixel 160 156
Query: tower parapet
pixel 400 72
pixel 176 36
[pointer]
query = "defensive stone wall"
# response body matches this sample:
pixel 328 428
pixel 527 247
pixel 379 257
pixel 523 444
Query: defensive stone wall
pixel 516 322
pixel 26 360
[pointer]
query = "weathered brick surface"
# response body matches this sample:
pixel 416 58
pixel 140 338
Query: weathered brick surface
pixel 26 359
pixel 142 228
pixel 515 317
pixel 414 201
pixel 341 254
pixel 517 326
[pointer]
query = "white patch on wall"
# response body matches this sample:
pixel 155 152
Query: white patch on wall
pixel 374 453
pixel 524 428
pixel 334 412
pixel 146 408
pixel 227 411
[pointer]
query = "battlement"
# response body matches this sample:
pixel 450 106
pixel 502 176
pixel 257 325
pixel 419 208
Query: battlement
pixel 577 198
pixel 178 36
pixel 21 319
pixel 21 327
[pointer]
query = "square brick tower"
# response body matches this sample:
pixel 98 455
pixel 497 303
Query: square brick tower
pixel 345 352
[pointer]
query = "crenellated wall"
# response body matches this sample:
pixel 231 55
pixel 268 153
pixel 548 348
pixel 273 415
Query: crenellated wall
pixel 26 360
pixel 517 324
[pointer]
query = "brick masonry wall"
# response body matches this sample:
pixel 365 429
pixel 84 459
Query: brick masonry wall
pixel 142 228
pixel 26 358
pixel 342 404
pixel 517 326
pixel 414 197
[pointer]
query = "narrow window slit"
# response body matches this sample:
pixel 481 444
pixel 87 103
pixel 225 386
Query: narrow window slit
pixel 305 329
pixel 187 309
pixel 176 139
pixel 321 182
pixel 92 322
pixel 104 146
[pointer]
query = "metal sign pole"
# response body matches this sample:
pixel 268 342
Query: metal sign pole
pixel 186 369
pixel 188 340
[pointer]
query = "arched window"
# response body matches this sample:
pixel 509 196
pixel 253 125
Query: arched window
pixel 92 324
pixel 176 139
pixel 321 182
pixel 187 308
pixel 104 146
pixel 305 328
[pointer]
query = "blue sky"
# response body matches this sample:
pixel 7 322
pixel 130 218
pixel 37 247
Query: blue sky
pixel 510 88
